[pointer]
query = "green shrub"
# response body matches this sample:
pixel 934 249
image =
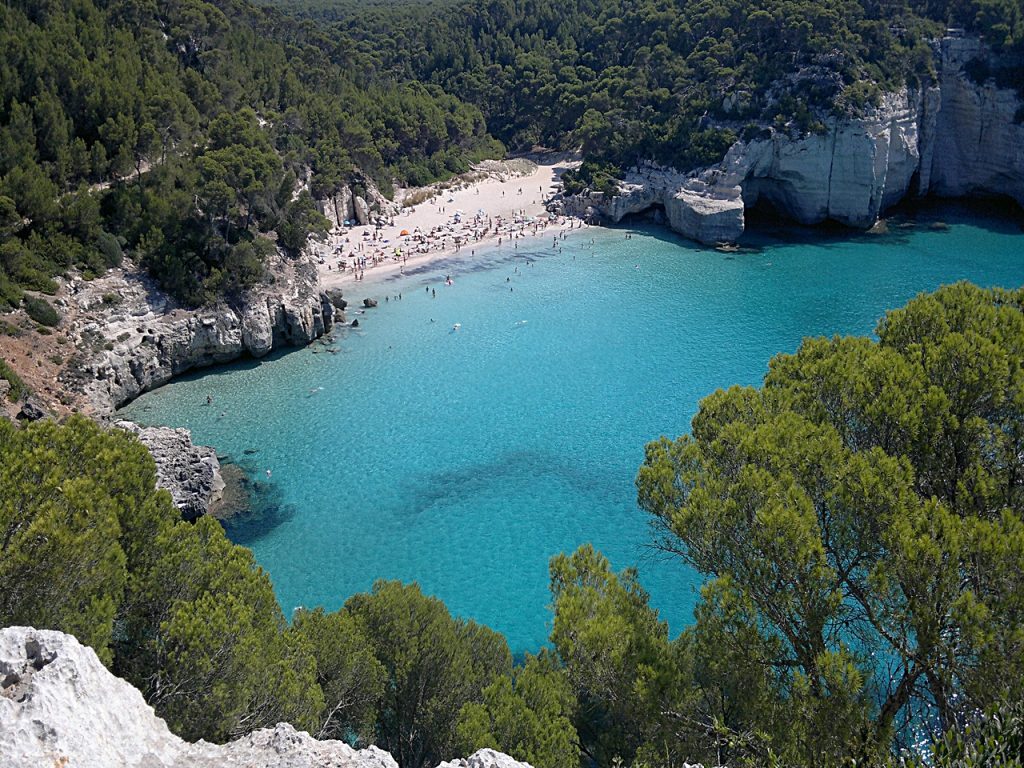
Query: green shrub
pixel 41 311
pixel 18 387
pixel 110 247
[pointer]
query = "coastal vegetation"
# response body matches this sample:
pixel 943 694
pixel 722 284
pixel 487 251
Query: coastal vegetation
pixel 180 134
pixel 857 519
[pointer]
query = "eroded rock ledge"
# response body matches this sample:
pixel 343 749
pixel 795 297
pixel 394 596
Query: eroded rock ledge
pixel 956 138
pixel 133 337
pixel 60 706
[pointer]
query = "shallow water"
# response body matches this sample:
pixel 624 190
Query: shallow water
pixel 464 459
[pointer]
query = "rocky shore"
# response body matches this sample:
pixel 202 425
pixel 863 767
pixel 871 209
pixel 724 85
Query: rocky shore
pixel 132 337
pixel 191 473
pixel 955 138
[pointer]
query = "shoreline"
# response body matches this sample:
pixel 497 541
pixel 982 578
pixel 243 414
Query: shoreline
pixel 454 222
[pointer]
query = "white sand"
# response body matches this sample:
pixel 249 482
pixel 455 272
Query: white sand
pixel 511 208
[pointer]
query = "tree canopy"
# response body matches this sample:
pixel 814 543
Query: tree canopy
pixel 860 525
pixel 177 133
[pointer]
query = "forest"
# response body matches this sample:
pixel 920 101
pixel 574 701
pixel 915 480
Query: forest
pixel 676 81
pixel 191 136
pixel 858 522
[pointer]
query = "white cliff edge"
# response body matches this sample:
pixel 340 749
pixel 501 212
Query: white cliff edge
pixel 134 337
pixel 60 706
pixel 958 138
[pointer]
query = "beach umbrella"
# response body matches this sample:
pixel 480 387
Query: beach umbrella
pixel 404 232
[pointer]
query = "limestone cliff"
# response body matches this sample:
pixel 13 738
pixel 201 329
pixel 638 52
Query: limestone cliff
pixel 59 706
pixel 132 337
pixel 955 138
pixel 345 205
pixel 978 141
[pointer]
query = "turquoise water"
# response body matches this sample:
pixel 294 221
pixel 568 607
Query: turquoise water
pixel 465 459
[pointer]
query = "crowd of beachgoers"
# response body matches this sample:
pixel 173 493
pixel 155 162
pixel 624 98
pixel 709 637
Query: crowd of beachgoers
pixel 494 210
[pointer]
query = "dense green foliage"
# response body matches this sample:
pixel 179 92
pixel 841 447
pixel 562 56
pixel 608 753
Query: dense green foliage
pixel 434 664
pixel 176 132
pixel 528 715
pixel 672 80
pixel 858 520
pixel 88 546
pixel 861 525
pixel 989 739
pixel 18 387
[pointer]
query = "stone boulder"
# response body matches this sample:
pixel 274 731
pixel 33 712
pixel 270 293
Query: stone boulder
pixel 32 411
pixel 362 211
pixel 189 472
pixel 59 706
pixel 336 297
pixel 369 303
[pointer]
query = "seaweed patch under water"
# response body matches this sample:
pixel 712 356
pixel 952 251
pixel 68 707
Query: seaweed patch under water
pixel 250 508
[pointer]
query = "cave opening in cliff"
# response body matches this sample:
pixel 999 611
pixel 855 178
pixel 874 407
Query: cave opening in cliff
pixel 653 214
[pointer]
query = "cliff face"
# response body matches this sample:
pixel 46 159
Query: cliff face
pixel 849 174
pixel 978 145
pixel 954 139
pixel 60 706
pixel 134 338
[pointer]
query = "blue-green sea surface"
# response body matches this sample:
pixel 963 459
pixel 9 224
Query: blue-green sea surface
pixel 465 459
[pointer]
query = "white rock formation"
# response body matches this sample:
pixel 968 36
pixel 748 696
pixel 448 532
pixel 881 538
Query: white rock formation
pixel 486 758
pixel 978 139
pixel 144 338
pixel 957 138
pixel 700 209
pixel 345 205
pixel 59 706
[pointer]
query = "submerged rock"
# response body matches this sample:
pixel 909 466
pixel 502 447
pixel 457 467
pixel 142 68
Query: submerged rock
pixel 60 706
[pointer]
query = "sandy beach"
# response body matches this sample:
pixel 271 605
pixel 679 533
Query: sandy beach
pixel 491 210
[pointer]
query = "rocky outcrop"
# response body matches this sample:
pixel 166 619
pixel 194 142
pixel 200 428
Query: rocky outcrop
pixel 849 173
pixel 952 139
pixel 706 212
pixel 60 706
pixel 31 411
pixel 485 758
pixel 191 473
pixel 132 337
pixel 346 206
